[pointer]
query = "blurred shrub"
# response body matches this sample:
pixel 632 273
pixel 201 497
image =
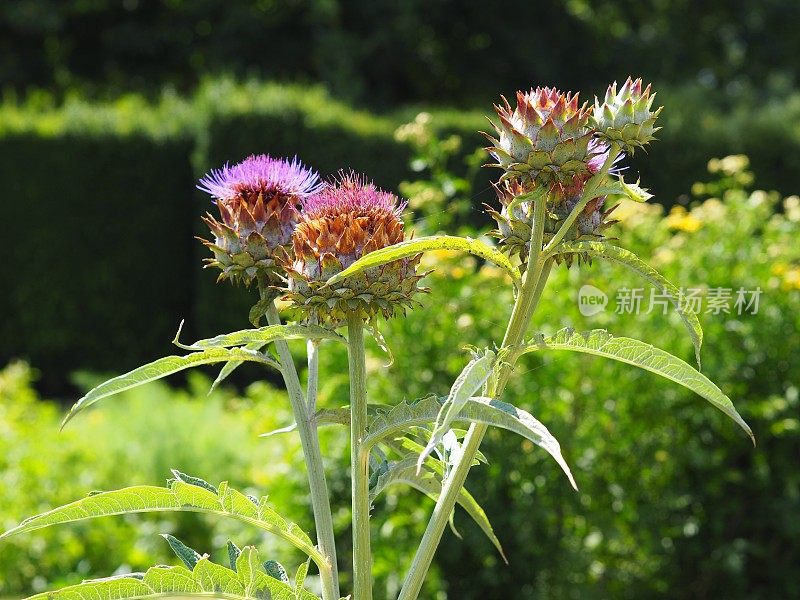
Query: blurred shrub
pixel 135 439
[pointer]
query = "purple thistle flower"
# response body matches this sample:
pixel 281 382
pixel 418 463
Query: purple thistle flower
pixel 351 194
pixel 257 201
pixel 261 174
pixel 598 153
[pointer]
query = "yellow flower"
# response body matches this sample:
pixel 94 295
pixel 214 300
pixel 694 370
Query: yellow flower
pixel 681 220
pixel 791 279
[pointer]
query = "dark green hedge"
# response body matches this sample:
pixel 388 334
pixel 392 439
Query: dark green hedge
pixel 387 52
pixel 97 251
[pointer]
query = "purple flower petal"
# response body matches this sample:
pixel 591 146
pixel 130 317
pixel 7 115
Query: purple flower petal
pixel 598 153
pixel 352 193
pixel 261 174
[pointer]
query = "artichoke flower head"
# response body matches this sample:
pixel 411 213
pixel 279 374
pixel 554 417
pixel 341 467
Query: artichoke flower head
pixel 344 221
pixel 544 139
pixel 258 201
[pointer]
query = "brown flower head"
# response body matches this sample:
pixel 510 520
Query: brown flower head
pixel 341 223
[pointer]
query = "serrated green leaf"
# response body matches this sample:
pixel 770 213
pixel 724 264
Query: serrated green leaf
pixel 645 356
pixel 180 496
pixel 193 480
pixel 488 411
pixel 265 335
pixel 619 187
pixel 217 579
pixel 328 416
pixel 206 580
pixel 230 366
pixel 252 574
pixel 405 445
pixel 633 192
pixel 115 589
pixel 426 244
pixel 163 580
pixel 429 482
pixel 163 367
pixel 469 381
pixel 233 553
pixel 628 259
pixel 300 579
pixel 275 570
pixel 189 556
pixel 258 310
pixel 373 330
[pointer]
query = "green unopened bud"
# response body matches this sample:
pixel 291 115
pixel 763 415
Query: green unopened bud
pixel 626 116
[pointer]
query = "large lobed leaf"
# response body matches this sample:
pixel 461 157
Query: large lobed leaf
pixel 628 259
pixel 429 482
pixel 469 381
pixel 645 356
pixel 476 410
pixel 183 494
pixel 426 244
pixel 249 581
pixel 166 366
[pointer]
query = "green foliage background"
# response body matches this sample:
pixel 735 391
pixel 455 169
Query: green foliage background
pixel 111 110
pixel 673 501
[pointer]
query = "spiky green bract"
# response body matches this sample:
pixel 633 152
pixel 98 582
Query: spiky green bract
pixel 545 139
pixel 626 116
pixel 515 218
pixel 344 222
pixel 257 201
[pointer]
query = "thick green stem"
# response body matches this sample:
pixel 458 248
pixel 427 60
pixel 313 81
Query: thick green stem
pixel 318 485
pixel 312 350
pixel 359 461
pixel 536 273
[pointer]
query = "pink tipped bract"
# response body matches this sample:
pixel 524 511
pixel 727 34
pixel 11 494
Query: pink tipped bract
pixel 351 194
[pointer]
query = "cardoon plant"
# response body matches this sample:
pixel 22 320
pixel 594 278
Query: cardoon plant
pixel 339 253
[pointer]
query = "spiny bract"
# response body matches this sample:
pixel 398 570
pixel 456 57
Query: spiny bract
pixel 257 201
pixel 343 222
pixel 626 116
pixel 514 222
pixel 544 139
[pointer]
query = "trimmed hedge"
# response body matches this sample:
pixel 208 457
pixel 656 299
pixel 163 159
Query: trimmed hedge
pixel 97 253
pixel 101 203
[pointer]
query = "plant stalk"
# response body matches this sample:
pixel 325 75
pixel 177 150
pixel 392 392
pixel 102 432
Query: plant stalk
pixel 320 501
pixel 587 195
pixel 535 277
pixel 359 461
pixel 312 351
